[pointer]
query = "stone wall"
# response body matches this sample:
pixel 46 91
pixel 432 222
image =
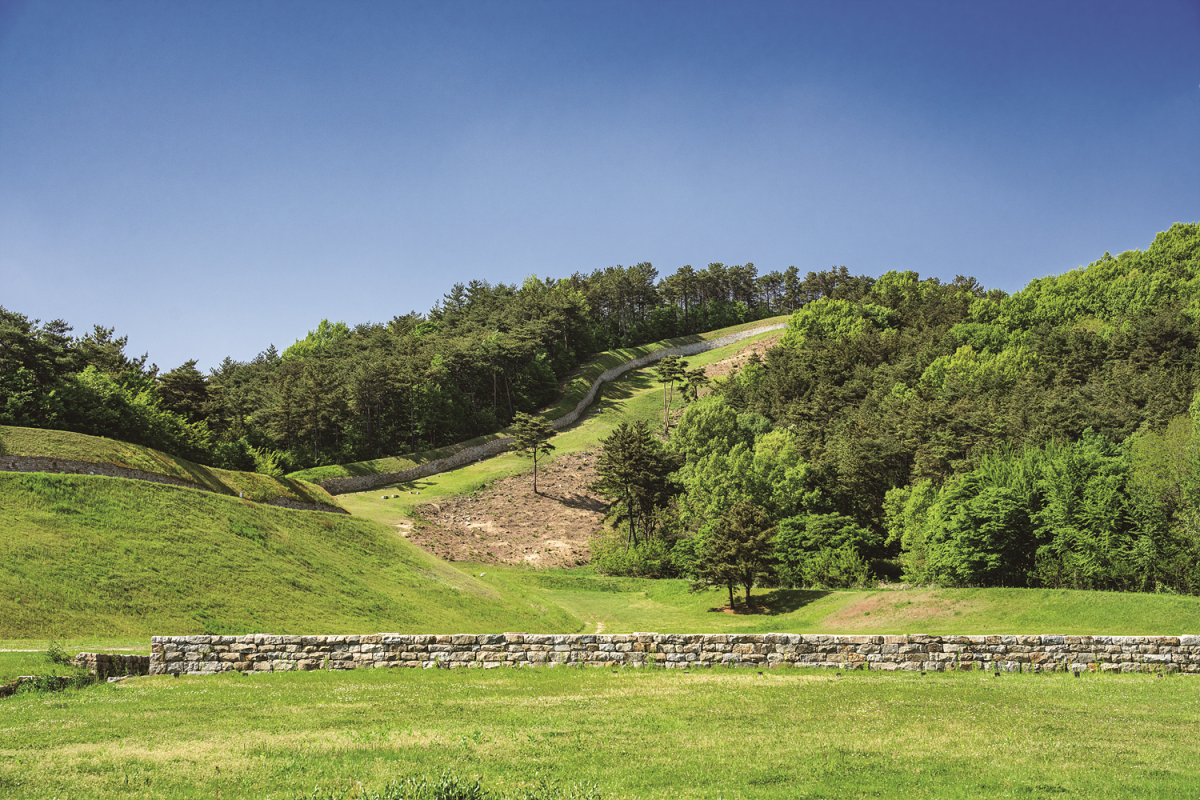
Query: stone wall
pixel 67 467
pixel 106 665
pixel 915 652
pixel 467 455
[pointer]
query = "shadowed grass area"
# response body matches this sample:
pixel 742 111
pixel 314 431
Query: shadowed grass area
pixel 576 388
pixel 97 557
pixel 634 733
pixel 71 446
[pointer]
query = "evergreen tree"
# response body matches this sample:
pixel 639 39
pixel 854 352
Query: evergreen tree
pixel 635 470
pixel 671 369
pixel 532 438
pixel 184 391
pixel 738 551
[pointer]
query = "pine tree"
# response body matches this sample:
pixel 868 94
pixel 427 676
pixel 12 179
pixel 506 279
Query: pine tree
pixel 635 470
pixel 738 551
pixel 670 371
pixel 532 435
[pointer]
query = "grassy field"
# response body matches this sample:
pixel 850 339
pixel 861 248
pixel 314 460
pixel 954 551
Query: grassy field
pixel 98 450
pixel 627 605
pixel 632 733
pixel 91 557
pixel 633 397
pixel 575 390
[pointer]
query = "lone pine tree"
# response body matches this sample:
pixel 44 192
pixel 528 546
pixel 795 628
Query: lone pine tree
pixel 634 469
pixel 532 435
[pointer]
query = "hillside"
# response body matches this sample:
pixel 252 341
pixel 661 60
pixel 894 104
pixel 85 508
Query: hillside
pixel 89 556
pixel 572 392
pixel 68 446
pixel 634 397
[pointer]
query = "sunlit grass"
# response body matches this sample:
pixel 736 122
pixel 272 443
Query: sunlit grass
pixel 636 733
pixel 71 446
pixel 91 558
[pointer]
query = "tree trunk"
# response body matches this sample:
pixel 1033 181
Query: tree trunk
pixel 632 533
pixel 732 605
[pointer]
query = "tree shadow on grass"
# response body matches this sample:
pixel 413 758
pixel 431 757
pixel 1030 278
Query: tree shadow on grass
pixel 778 601
pixel 407 487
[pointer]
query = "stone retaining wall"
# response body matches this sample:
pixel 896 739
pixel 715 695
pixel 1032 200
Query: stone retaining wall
pixel 467 455
pixel 915 652
pixel 106 665
pixel 68 467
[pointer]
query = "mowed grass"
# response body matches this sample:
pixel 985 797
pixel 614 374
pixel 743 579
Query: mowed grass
pixel 627 605
pixel 15 663
pixel 71 446
pixel 86 558
pixel 636 396
pixel 720 732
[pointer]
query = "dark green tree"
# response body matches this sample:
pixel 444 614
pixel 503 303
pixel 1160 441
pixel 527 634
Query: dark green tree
pixel 694 381
pixel 531 437
pixel 184 391
pixel 635 470
pixel 737 551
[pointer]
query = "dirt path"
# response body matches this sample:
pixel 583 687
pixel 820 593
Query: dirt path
pixel 507 523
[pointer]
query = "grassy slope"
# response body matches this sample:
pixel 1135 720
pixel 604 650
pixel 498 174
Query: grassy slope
pixel 106 557
pixel 71 446
pixel 638 733
pixel 634 396
pixel 575 390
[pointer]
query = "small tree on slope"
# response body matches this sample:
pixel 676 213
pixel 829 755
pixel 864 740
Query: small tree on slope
pixel 532 435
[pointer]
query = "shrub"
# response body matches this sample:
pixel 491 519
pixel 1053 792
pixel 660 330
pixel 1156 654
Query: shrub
pixel 842 568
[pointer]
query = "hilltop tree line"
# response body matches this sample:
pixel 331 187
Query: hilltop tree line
pixel 948 434
pixel 480 356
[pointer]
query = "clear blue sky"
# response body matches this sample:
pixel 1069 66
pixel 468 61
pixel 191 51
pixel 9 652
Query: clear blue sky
pixel 213 177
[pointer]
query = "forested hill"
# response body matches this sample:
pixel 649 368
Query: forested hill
pixel 345 394
pixel 1041 438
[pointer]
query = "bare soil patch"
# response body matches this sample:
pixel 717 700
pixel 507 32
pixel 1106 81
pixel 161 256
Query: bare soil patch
pixel 506 523
pixel 735 362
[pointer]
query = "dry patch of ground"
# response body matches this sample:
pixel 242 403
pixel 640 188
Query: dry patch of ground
pixel 506 523
pixel 906 610
pixel 735 362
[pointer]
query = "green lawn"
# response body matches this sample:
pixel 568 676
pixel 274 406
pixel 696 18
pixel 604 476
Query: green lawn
pixel 88 558
pixel 71 446
pixel 627 605
pixel 633 733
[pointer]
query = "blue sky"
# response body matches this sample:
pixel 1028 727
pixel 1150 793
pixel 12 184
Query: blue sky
pixel 214 177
